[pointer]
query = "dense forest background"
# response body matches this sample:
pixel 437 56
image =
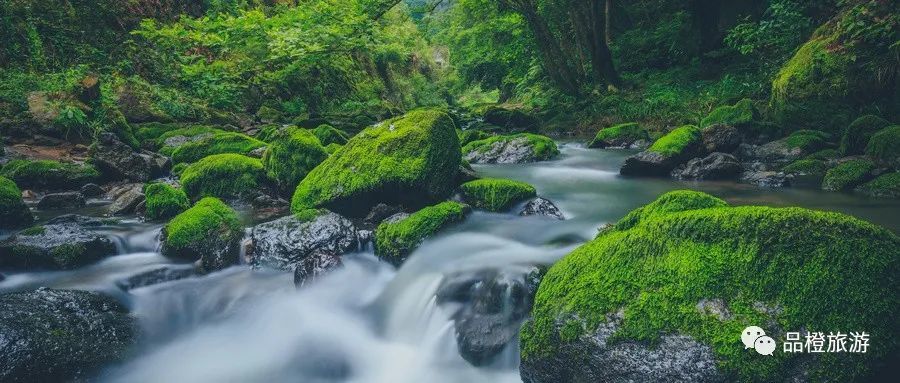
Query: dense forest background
pixel 82 66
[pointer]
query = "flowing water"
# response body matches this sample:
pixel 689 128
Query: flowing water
pixel 370 322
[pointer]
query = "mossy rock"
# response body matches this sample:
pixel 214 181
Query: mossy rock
pixel 824 155
pixel 218 143
pixel 741 115
pixel 469 135
pixel 328 134
pixel 223 176
pixel 62 243
pixel 265 132
pixel 164 201
pixel 13 211
pixel 332 148
pixel 806 166
pixel 884 146
pixel 677 142
pixel 410 160
pixel 396 239
pixel 210 231
pixel 807 140
pixel 171 140
pixel 292 154
pixel 152 131
pixel 496 194
pixel 511 149
pixel 885 185
pixel 784 269
pixel 619 135
pixel 510 119
pixel 859 132
pixel 49 175
pixel 848 175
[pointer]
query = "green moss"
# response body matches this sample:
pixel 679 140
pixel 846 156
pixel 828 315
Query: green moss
pixel 544 147
pixel 815 266
pixel 496 194
pixel 328 134
pixel 32 231
pixel 847 175
pixel 13 211
pixel 740 115
pixel 332 148
pixel 675 201
pixel 159 131
pixel 395 240
pixel 410 160
pixel 209 219
pixel 218 143
pixel 886 185
pixel 46 174
pixel 308 215
pixel 223 176
pixel 806 166
pixel 824 154
pixel 884 146
pixel 177 169
pixel 677 141
pixel 629 131
pixel 266 132
pixel 807 140
pixel 164 201
pixel 292 154
pixel 188 131
pixel 858 133
pixel 467 136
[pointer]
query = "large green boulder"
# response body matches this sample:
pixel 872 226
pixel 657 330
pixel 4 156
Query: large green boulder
pixel 292 154
pixel 223 176
pixel 164 201
pixel 328 135
pixel 397 237
pixel 49 175
pixel 510 149
pixel 848 174
pixel 680 279
pixel 496 194
pixel 410 160
pixel 741 115
pixel 210 232
pixel 859 132
pixel 666 153
pixel 218 143
pixel 884 146
pixel 621 135
pixel 13 211
pixel 885 185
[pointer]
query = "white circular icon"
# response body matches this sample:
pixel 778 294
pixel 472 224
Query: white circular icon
pixel 764 345
pixel 749 335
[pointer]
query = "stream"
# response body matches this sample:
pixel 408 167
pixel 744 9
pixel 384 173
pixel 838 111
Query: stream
pixel 368 321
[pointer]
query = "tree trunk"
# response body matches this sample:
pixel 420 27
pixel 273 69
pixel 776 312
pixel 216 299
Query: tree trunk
pixel 601 58
pixel 552 57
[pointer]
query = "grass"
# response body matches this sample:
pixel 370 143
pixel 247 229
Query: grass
pixel 496 194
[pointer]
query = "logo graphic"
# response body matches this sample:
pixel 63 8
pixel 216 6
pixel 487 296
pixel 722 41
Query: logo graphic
pixel 755 337
pixel 764 345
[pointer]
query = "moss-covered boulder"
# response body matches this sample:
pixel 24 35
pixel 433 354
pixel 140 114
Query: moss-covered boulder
pixel 218 143
pixel 884 146
pixel 65 242
pixel 807 140
pixel 328 134
pixel 49 175
pixel 741 115
pixel 885 185
pixel 164 201
pixel 666 153
pixel 679 279
pixel 210 232
pixel 496 194
pixel 806 166
pixel 292 154
pixel 223 176
pixel 397 237
pixel 13 211
pixel 469 135
pixel 859 132
pixel 619 136
pixel 332 148
pixel 410 160
pixel 510 149
pixel 848 174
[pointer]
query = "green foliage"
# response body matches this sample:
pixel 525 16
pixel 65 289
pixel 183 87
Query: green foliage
pixel 292 154
pixel 332 148
pixel 164 201
pixel 49 175
pixel 858 133
pixel 544 147
pixel 806 166
pixel 185 235
pixel 223 176
pixel 848 175
pixel 663 37
pixel 630 131
pixel 328 135
pixel 412 159
pixel 885 185
pixel 496 194
pixel 658 268
pixel 772 38
pixel 394 240
pixel 884 146
pixel 740 115
pixel 218 143
pixel 13 211
pixel 677 141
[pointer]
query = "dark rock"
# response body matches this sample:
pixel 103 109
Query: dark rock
pixel 117 160
pixel 314 266
pixel 647 163
pixel 61 335
pixel 126 198
pixel 640 145
pixel 590 358
pixel 379 213
pixel 266 207
pixel 774 154
pixel 67 200
pixel 513 151
pixel 716 166
pixel 766 178
pixel 510 119
pixel 62 243
pixel 721 138
pixel 465 173
pixel 91 190
pixel 285 242
pixel 542 206
pixel 156 276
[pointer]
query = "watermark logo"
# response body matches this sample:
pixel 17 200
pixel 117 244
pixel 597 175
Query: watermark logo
pixel 755 337
pixel 813 342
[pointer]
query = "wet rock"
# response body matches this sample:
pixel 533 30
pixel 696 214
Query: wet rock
pixel 285 242
pixel 543 207
pixel 67 200
pixel 773 154
pixel 671 150
pixel 65 242
pixel 716 166
pixel 310 268
pixel 209 232
pixel 117 160
pixel 379 213
pixel 508 150
pixel 61 335
pixel 266 207
pixel 768 179
pixel 720 138
pixel 647 163
pixel 591 358
pixel 91 190
pixel 156 276
pixel 126 198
